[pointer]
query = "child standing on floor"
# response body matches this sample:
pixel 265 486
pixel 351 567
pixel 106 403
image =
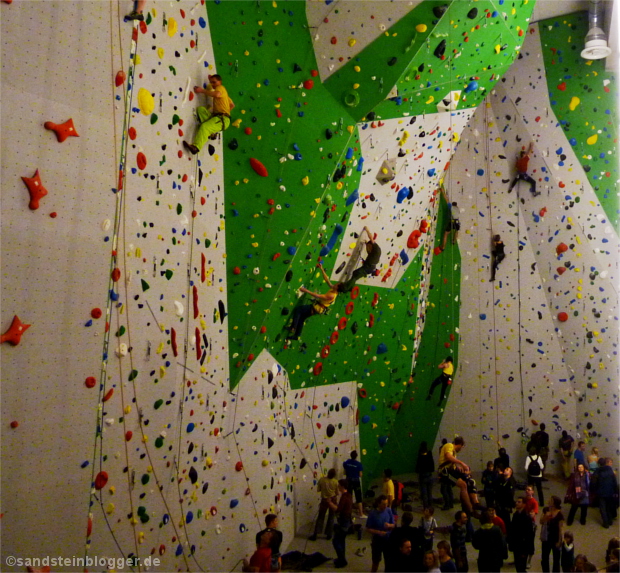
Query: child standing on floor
pixel 567 558
pixel 428 526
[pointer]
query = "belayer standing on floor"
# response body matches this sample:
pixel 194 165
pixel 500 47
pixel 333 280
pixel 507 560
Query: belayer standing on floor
pixel 211 121
pixel 522 162
pixel 445 379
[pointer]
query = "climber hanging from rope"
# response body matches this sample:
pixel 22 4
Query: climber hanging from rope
pixel 497 255
pixel 453 225
pixel 373 252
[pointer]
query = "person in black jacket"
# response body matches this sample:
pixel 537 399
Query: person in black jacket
pixel 521 535
pixel 606 485
pixel 489 542
pixel 504 495
pixel 425 467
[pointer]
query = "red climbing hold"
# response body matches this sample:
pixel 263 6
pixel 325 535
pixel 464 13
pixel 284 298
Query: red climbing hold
pixel 132 133
pixel 424 226
pixel 89 527
pixel 141 161
pixel 14 424
pixel 108 395
pixel 198 349
pixel 173 342
pixel 362 393
pixel 263 329
pixel 325 351
pixel 258 167
pixel 101 480
pixel 334 337
pixel 276 256
pixel 349 308
pixel 562 86
pixel 62 130
pixel 248 131
pixel 413 240
pixel 36 190
pixel 116 274
pixel 203 271
pixel 334 40
pixel 562 317
pixel 318 368
pixel 14 334
pixel 561 270
pixel 375 300
pixel 561 248
pixel 308 84
pixel 195 297
pixel 342 323
pixel 96 313
pixel 355 292
pixel 239 466
pixel 371 320
pixel 437 251
pixel 120 78
pixel 90 382
pixel 250 357
pixel 236 271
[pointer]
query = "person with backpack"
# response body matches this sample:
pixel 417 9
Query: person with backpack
pixel 534 467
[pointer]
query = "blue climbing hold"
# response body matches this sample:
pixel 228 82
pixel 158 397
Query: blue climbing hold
pixel 349 154
pixel 291 250
pixel 365 419
pixel 332 241
pixel 404 257
pixel 480 172
pixel 344 401
pixel 353 197
pixel 189 517
pixel 382 348
pixel 190 427
pixel 382 440
pixel 234 503
pixel 402 195
pixel 483 316
pixel 360 163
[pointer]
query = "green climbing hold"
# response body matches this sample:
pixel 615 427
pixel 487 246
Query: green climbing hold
pixel 179 208
pixel 175 119
pixel 158 404
pixel 133 375
pixel 145 479
pixel 159 442
pixel 154 118
pixel 169 274
pixel 120 331
pixel 145 285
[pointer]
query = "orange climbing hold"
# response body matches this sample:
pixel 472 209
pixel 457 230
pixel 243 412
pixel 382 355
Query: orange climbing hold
pixel 36 190
pixel 561 248
pixel 62 130
pixel 14 334
pixel 258 167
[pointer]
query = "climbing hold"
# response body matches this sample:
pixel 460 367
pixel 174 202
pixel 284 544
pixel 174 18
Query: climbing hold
pixel 365 419
pixel 14 424
pixel 334 337
pixel 141 161
pixel 413 241
pixel 36 190
pixel 349 308
pixel 561 248
pixel 382 348
pixel 233 144
pixel 329 133
pixel 308 84
pixel 62 130
pixel 471 86
pixel 382 440
pixel 342 323
pixel 421 28
pixel 318 368
pixel 439 11
pixel 404 257
pixel 239 466
pixel 332 241
pixel 325 351
pixel 120 78
pixel 14 334
pixel 90 382
pixel 146 102
pixel 440 50
pixel 330 430
pixel 392 61
pixel 561 270
pixel 258 167
pixel 562 317
pixel 101 480
pixel 402 195
pixel 345 401
pixel 352 98
pixel 234 503
pixel 472 13
pixel 574 102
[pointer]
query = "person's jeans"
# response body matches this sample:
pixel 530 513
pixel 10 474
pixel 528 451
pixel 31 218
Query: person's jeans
pixel 340 536
pixel 608 510
pixel 573 512
pixel 544 559
pixel 323 509
pixel 426 489
pixel 300 315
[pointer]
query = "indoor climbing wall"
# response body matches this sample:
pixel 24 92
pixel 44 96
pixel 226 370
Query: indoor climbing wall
pixel 164 388
pixel 544 334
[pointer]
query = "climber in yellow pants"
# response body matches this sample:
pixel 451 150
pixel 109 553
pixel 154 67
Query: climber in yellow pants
pixel 211 121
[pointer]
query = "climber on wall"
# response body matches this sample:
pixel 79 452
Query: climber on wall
pixel 453 225
pixel 522 161
pixel 373 252
pixel 497 255
pixel 211 121
pixel 445 379
pixel 320 306
pixel 137 12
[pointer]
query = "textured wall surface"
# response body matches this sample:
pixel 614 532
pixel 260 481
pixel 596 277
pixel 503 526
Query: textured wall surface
pixel 154 405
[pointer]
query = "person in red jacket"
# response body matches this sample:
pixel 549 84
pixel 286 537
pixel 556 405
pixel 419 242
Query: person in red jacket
pixel 522 162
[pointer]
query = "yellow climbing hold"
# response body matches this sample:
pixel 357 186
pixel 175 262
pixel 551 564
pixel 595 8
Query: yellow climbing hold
pixel 305 180
pixel 237 122
pixel 355 86
pixel 350 129
pixel 456 137
pixel 431 99
pixel 352 42
pixel 110 509
pixel 172 27
pixel 498 49
pixel 265 463
pixel 160 53
pixel 592 139
pixel 146 103
pixel 357 68
pixel 574 102
pixel 421 28
pixel 352 245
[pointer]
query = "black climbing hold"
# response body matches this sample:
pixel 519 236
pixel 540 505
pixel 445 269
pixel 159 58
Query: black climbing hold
pixel 440 50
pixel 270 442
pixel 410 194
pixel 274 392
pixel 308 256
pixel 342 265
pixel 285 312
pixel 421 68
pixel 205 487
pixel 193 475
pixel 190 449
pixel 401 152
pixel 439 11
pixel 289 276
pixel 329 134
pixel 222 309
pixel 354 327
pixel 269 377
pixel 472 13
pixel 233 144
pixel 330 430
pixel 211 150
pixel 400 233
pixel 392 61
pixel 303 463
pixel 371 115
pixel 297 68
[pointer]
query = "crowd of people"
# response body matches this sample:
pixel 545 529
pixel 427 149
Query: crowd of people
pixel 505 522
